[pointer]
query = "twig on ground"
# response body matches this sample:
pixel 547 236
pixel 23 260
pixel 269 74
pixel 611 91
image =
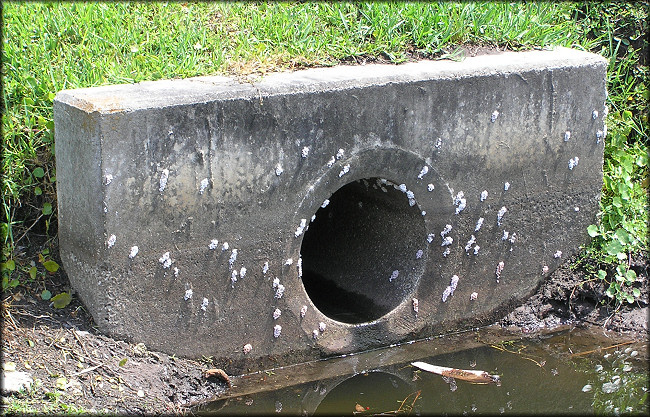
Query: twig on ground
pixel 28 229
pixel 83 347
pixel 92 368
pixel 24 313
pixel 12 319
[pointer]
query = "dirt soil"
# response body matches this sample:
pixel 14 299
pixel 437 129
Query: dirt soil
pixel 569 296
pixel 73 364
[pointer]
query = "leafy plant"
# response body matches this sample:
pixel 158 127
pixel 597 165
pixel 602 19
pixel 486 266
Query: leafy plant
pixel 623 219
pixel 51 266
pixel 7 269
pixel 61 300
pixel 11 271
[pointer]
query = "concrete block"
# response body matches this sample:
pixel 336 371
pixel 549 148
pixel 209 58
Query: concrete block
pixel 329 210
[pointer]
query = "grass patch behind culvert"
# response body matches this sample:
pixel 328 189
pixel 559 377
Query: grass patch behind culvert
pixel 51 46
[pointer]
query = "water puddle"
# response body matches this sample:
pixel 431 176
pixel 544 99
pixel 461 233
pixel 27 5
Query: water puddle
pixel 570 371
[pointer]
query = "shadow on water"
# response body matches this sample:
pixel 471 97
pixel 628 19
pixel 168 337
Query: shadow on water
pixel 572 371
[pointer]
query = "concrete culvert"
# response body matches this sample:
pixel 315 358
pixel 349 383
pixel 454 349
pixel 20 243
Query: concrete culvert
pixel 183 205
pixel 363 254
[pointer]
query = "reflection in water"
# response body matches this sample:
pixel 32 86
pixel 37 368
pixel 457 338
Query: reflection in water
pixel 382 391
pixel 544 375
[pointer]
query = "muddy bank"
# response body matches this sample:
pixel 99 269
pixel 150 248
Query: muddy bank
pixel 74 367
pixel 569 296
pixel 71 363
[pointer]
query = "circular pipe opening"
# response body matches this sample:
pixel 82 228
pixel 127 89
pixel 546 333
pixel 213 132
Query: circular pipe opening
pixel 363 254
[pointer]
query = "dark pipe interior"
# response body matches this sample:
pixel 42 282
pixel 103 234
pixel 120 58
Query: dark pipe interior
pixel 349 252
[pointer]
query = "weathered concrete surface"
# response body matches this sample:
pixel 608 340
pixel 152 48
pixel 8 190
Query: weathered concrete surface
pixel 150 174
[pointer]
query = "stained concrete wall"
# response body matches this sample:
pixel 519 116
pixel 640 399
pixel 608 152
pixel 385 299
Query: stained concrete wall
pixel 193 212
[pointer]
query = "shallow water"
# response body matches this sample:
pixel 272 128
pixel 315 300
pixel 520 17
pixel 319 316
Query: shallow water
pixel 552 373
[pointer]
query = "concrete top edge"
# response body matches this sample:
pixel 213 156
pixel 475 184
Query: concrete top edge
pixel 203 89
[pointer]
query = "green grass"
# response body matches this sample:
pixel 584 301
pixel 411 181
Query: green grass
pixel 52 46
pixel 623 219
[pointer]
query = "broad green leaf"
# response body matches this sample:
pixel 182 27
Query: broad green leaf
pixel 61 300
pixel 32 272
pixel 10 265
pixel 38 191
pixel 46 295
pixel 31 81
pixel 630 276
pixel 38 172
pixel 607 183
pixel 47 209
pixel 630 298
pixel 593 230
pixel 616 201
pixel 624 190
pixel 614 247
pixel 623 236
pixel 602 274
pixel 40 121
pixel 627 164
pixel 636 292
pixel 51 266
